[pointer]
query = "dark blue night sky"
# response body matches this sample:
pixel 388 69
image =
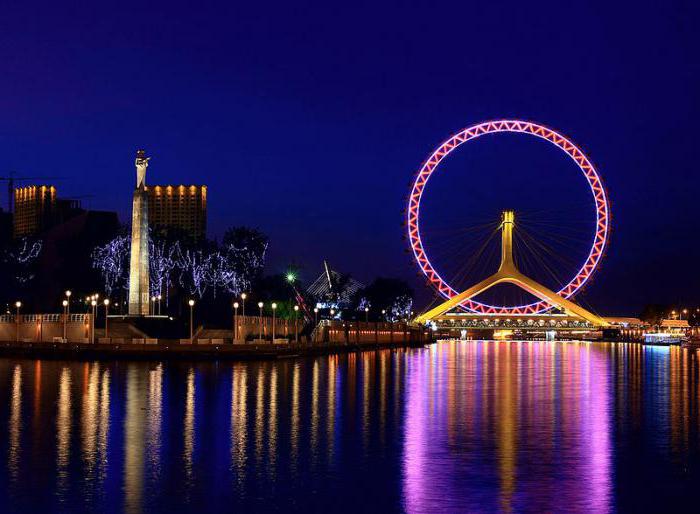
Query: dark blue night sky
pixel 308 120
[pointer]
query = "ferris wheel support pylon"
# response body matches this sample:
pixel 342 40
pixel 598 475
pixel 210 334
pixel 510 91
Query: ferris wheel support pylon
pixel 508 273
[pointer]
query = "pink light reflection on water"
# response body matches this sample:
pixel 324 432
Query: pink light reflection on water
pixel 507 426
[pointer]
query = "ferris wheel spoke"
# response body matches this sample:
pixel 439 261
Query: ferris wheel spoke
pixel 478 257
pixel 540 262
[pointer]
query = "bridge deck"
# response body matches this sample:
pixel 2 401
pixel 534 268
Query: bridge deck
pixel 515 322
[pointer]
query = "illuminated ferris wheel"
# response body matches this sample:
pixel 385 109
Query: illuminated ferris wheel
pixel 598 237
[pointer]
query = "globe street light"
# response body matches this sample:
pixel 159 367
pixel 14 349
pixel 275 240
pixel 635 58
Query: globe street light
pixel 274 308
pixel 366 314
pixel 235 322
pixel 106 302
pixel 243 297
pixel 296 324
pixel 65 317
pixel 384 314
pixel 684 311
pixel 18 304
pixel 191 304
pixel 68 293
pixel 159 298
pixel 315 316
pixel 260 304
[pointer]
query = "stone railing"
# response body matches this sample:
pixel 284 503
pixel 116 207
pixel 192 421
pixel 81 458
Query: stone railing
pixel 45 327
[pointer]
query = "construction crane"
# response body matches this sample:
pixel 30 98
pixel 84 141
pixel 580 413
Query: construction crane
pixel 11 179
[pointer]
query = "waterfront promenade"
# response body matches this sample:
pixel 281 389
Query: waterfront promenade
pixel 328 337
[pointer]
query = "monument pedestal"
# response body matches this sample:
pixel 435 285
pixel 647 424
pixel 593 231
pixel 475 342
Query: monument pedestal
pixel 139 293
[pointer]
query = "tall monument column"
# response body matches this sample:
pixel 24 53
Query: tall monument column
pixel 139 295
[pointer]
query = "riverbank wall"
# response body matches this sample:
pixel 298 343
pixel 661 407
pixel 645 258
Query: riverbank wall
pixel 166 350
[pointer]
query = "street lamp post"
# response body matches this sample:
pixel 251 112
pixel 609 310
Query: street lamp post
pixel 106 302
pixel 384 314
pixel 243 297
pixel 94 313
pixel 159 298
pixel 191 304
pixel 18 304
pixel 235 322
pixel 296 324
pixel 153 306
pixel 68 293
pixel 366 314
pixel 684 311
pixel 65 318
pixel 315 316
pixel 274 308
pixel 260 304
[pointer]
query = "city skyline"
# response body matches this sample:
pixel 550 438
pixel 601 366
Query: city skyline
pixel 323 161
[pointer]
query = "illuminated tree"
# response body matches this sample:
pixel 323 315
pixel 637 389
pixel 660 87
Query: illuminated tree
pixel 112 261
pixel 401 307
pixel 389 294
pixel 197 270
pixel 244 251
pixel 163 261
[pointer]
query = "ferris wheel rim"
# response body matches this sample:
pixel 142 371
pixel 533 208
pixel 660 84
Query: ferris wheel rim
pixel 472 132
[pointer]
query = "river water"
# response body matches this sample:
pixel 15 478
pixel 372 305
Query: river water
pixel 457 426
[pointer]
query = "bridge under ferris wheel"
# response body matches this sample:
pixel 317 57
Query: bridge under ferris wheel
pixel 572 317
pixel 552 310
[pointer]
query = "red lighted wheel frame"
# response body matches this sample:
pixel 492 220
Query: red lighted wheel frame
pixel 523 127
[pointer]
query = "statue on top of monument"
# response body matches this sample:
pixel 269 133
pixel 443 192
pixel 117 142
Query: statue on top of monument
pixel 141 165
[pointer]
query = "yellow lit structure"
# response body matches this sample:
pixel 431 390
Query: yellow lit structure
pixel 35 209
pixel 509 273
pixel 180 207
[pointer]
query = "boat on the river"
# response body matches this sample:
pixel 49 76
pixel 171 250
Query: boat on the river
pixel 668 332
pixel 663 338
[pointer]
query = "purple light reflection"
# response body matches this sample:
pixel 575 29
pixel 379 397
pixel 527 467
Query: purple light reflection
pixel 503 426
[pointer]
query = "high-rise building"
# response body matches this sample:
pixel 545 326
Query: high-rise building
pixel 35 210
pixel 183 208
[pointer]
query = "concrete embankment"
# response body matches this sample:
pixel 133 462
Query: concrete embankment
pixel 164 350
